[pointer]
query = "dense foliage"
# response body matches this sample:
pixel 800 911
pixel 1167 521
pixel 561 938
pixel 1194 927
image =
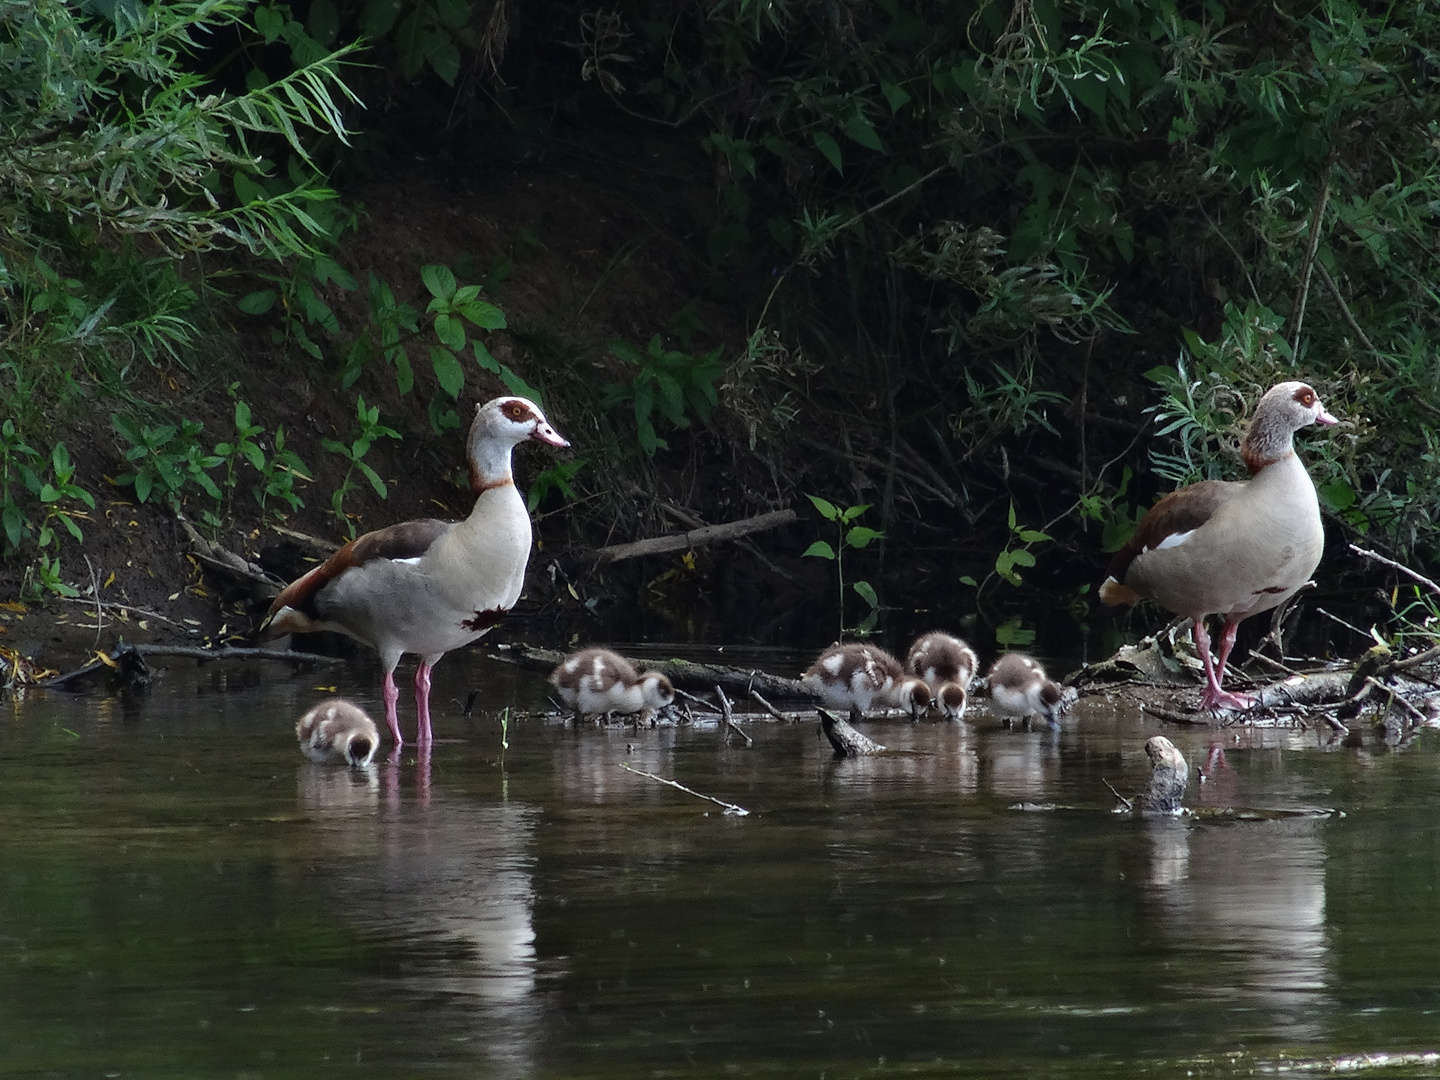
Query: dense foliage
pixel 1027 262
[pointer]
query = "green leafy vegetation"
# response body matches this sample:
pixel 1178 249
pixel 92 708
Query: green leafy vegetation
pixel 847 535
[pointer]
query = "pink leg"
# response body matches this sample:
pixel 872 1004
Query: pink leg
pixel 1227 642
pixel 1214 696
pixel 422 701
pixel 392 697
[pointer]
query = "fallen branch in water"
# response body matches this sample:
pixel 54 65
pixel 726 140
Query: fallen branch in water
pixel 846 741
pixel 682 673
pixel 729 719
pixel 730 808
pixel 707 534
pixel 115 660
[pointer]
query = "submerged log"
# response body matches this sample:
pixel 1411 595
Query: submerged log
pixel 740 682
pixel 845 739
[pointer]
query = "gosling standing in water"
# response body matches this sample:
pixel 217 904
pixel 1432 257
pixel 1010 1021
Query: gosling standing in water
pixel 600 681
pixel 948 666
pixel 1019 689
pixel 864 677
pixel 338 732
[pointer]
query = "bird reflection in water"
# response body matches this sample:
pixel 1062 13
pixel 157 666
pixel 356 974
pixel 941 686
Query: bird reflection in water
pixel 1248 897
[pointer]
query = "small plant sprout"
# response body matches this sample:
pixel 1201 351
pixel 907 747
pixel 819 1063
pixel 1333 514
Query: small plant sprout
pixel 369 429
pixel 848 535
pixel 1011 557
pixel 505 728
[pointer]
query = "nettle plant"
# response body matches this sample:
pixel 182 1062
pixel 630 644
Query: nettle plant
pixel 848 535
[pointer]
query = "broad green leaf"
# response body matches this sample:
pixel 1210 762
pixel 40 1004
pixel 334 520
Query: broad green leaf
pixel 860 536
pixel 867 593
pixel 827 145
pixel 378 17
pixel 445 61
pixel 897 97
pixel 484 358
pixel 143 486
pixel 447 371
pixel 1021 557
pixel 450 331
pixel 827 509
pixel 483 314
pixel 855 511
pixel 820 549
pixel 440 280
pixel 258 302
pixel 863 132
pixel 1032 536
pixel 374 478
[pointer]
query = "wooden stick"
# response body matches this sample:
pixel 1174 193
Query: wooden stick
pixel 776 713
pixel 1128 804
pixel 710 534
pixel 697 700
pixel 730 808
pixel 1368 554
pixel 227 652
pixel 728 718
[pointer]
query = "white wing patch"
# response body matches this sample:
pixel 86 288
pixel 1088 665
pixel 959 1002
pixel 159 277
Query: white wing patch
pixel 1173 540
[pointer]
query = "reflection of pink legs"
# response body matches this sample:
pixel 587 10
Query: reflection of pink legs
pixel 1214 696
pixel 392 696
pixel 422 701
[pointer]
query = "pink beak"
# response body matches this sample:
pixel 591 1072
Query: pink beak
pixel 545 433
pixel 1325 418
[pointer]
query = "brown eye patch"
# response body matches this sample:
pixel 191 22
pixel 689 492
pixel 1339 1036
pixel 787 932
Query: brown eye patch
pixel 1305 396
pixel 516 411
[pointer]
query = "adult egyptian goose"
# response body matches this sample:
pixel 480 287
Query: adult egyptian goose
pixel 338 732
pixel 947 665
pixel 864 677
pixel 427 587
pixel 1019 689
pixel 599 681
pixel 1231 548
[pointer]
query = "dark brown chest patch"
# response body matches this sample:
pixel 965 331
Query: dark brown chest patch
pixel 483 620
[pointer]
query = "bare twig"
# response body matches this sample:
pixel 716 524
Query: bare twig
pixel 1317 220
pixel 1395 696
pixel 708 706
pixel 728 718
pixel 142 612
pixel 1416 660
pixel 776 713
pixel 1348 626
pixel 730 808
pixel 1386 362
pixel 1128 804
pixel 1368 554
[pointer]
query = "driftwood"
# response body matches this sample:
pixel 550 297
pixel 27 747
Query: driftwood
pixel 684 674
pixel 706 534
pixel 228 564
pixel 1168 776
pixel 845 739
pixel 128 661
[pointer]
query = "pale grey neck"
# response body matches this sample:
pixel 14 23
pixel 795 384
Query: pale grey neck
pixel 490 462
pixel 1269 440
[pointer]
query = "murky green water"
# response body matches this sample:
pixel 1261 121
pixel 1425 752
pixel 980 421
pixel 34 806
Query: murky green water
pixel 181 895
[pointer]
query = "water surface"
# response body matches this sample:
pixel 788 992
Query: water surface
pixel 181 894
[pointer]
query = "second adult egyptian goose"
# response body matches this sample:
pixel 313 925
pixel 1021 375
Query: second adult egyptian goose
pixel 600 681
pixel 1231 548
pixel 427 587
pixel 864 677
pixel 948 666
